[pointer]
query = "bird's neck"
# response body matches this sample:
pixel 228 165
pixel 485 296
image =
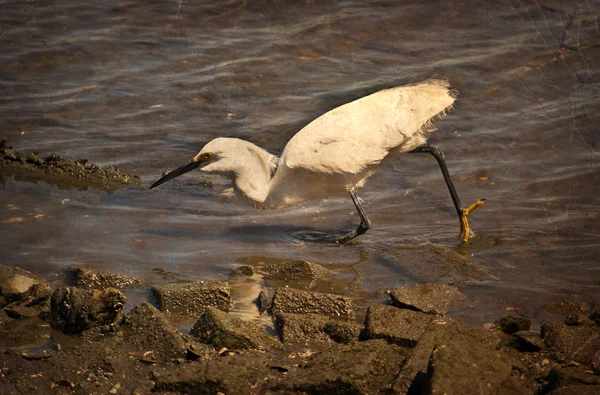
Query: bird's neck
pixel 251 181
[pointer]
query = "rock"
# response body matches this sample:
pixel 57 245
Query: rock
pixel 305 328
pixel 364 368
pixel 413 377
pixel 566 307
pixel 150 330
pixel 529 341
pixel 427 298
pixel 263 302
pixel 242 271
pixel 75 310
pixel 577 390
pixel 595 316
pixel 87 278
pixel 193 298
pixel 20 286
pixel 300 271
pixel 399 326
pixel 569 377
pixel 288 300
pixel 510 324
pixel 17 310
pixel 245 373
pixel 580 343
pixel 220 329
pixel 578 320
pixel 461 366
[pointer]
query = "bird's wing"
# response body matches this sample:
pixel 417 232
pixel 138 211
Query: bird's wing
pixel 356 135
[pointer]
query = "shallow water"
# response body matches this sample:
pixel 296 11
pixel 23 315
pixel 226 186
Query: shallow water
pixel 144 84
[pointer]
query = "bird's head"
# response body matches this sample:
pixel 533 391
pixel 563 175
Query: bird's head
pixel 219 156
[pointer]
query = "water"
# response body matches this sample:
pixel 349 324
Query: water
pixel 144 84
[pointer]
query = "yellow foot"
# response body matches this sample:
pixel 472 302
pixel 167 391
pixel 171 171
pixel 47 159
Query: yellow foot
pixel 465 231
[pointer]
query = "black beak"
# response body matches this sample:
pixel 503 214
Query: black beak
pixel 176 173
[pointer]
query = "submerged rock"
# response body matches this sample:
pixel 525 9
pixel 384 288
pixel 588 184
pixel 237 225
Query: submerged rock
pixel 244 270
pixel 88 278
pixel 150 330
pixel 510 324
pixel 305 328
pixel 581 343
pixel 399 326
pixel 75 310
pixel 193 298
pixel 288 300
pixel 427 298
pixel 220 329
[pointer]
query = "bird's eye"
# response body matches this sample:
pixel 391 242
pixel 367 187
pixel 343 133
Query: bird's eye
pixel 208 156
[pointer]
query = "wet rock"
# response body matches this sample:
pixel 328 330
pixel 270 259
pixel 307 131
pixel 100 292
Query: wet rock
pixel 595 316
pixel 235 374
pixel 580 343
pixel 220 329
pixel 305 328
pixel 303 272
pixel 566 307
pixel 364 368
pixel 150 330
pixel 578 320
pixel 529 341
pixel 263 302
pixel 65 173
pixel 413 377
pixel 570 377
pixel 461 366
pixel 510 324
pixel 577 390
pixel 399 326
pixel 243 271
pixel 288 300
pixel 193 298
pixel 75 310
pixel 20 286
pixel 17 310
pixel 427 298
pixel 88 278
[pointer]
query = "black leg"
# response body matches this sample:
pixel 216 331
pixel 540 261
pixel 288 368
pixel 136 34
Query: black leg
pixel 365 222
pixel 441 159
pixel 465 230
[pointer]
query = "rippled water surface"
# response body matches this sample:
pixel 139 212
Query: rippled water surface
pixel 144 84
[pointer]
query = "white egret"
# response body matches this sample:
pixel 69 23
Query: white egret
pixel 336 153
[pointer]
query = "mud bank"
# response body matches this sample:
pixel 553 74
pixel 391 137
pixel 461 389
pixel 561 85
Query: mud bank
pixel 61 338
pixel 63 172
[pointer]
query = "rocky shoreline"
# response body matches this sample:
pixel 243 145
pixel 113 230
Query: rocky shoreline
pixel 75 338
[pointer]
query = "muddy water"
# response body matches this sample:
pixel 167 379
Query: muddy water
pixel 144 84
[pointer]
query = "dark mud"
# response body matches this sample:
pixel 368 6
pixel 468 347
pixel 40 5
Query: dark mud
pixel 81 342
pixel 62 172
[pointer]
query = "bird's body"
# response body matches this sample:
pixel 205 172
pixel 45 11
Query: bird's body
pixel 332 155
pixel 338 150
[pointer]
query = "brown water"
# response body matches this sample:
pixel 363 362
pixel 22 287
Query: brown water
pixel 144 84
